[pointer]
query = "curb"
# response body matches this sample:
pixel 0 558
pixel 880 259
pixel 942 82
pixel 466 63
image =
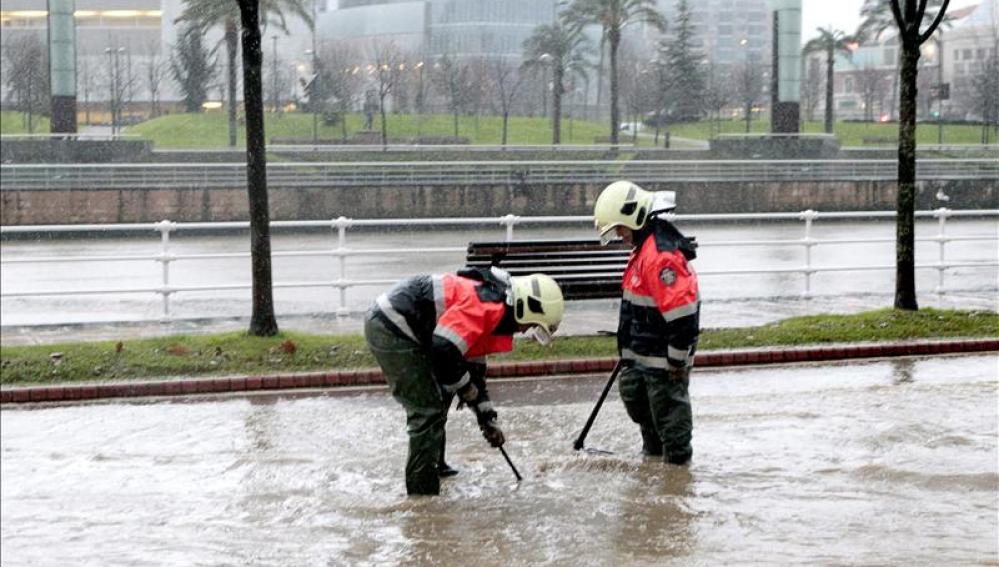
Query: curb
pixel 339 378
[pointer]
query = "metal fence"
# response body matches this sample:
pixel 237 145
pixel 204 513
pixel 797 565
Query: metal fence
pixel 342 250
pixel 366 174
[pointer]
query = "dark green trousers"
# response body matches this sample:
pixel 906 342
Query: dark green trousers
pixel 657 400
pixel 407 369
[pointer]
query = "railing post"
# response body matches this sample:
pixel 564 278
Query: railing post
pixel 165 227
pixel 808 216
pixel 341 224
pixel 942 213
pixel 509 221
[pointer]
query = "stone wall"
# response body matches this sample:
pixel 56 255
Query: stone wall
pixel 303 203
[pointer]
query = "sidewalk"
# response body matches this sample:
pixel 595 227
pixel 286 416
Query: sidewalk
pixel 339 378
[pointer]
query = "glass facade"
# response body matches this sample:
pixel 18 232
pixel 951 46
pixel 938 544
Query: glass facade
pixel 459 28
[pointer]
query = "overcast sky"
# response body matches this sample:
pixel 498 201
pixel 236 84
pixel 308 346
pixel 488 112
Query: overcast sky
pixel 842 14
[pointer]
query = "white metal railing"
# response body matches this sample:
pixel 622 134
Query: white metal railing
pixel 342 251
pixel 63 177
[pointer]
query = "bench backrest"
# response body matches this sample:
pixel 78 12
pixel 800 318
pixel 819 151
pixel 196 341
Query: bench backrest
pixel 583 268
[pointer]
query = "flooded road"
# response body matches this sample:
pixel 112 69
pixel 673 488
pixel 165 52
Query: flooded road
pixel 878 462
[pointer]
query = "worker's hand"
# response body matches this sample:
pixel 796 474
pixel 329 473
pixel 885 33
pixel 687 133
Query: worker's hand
pixel 492 433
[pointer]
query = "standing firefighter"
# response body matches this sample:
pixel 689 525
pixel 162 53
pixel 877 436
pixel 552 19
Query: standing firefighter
pixel 430 335
pixel 660 307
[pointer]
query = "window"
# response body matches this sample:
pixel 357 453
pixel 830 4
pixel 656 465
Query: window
pixel 966 54
pixel 957 55
pixel 848 85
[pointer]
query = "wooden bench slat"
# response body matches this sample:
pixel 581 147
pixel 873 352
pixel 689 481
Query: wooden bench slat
pixel 583 268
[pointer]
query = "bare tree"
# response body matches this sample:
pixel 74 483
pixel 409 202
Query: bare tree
pixel 86 82
pixel 154 72
pixel 811 87
pixel 748 87
pixel 717 93
pixel 505 80
pixel 27 76
pixel 342 65
pixel 387 57
pixel 451 77
pixel 985 94
pixel 873 84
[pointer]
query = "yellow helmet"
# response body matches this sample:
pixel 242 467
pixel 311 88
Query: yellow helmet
pixel 537 300
pixel 621 203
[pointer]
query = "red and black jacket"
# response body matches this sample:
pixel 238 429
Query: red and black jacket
pixel 458 318
pixel 660 302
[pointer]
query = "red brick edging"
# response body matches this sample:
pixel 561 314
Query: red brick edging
pixel 335 378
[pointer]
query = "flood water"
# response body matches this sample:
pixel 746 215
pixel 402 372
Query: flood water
pixel 879 462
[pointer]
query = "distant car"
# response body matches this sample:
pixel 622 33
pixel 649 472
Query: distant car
pixel 631 127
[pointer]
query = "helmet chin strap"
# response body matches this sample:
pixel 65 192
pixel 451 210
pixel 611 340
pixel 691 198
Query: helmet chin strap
pixel 540 334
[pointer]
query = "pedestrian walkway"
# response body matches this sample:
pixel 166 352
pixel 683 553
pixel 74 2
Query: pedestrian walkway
pixel 533 369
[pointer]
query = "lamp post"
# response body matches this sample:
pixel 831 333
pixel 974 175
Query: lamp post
pixel 544 58
pixel 313 102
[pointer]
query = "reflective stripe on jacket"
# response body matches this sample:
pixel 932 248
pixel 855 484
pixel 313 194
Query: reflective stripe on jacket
pixel 660 302
pixel 446 306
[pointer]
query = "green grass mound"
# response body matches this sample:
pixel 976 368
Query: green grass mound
pixel 238 354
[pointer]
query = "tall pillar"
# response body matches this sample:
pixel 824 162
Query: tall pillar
pixel 785 87
pixel 62 66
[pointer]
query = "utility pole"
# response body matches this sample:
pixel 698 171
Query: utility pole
pixel 114 101
pixel 940 87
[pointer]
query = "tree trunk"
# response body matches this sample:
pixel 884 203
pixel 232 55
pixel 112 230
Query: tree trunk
pixel 905 278
pixel 231 47
pixel 600 76
pixel 262 321
pixel 830 60
pixel 455 116
pixel 506 119
pixel 557 74
pixel 381 111
pixel 749 115
pixel 614 36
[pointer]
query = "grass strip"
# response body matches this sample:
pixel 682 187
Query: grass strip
pixel 236 353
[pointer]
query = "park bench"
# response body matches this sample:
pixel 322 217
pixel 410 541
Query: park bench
pixel 583 268
pixel 879 140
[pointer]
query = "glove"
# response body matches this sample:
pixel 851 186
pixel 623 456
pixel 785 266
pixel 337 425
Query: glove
pixel 492 432
pixel 677 373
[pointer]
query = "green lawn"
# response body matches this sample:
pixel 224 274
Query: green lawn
pixel 210 130
pixel 17 123
pixel 849 133
pixel 236 353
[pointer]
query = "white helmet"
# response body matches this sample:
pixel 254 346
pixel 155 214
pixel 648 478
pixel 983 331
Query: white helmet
pixel 537 300
pixel 621 203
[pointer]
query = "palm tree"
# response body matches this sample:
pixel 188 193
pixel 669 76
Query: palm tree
pixel 612 16
pixel 565 49
pixel 830 41
pixel 206 14
pixel 908 16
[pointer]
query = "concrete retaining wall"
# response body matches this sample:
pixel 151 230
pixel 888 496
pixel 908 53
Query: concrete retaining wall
pixel 302 203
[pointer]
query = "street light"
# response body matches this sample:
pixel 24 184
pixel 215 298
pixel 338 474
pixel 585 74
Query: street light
pixel 544 58
pixel 313 93
pixel 114 102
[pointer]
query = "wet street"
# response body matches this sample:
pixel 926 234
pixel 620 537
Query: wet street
pixel 876 462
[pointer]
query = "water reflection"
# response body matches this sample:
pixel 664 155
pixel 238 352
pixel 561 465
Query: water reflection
pixel 902 370
pixel 656 519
